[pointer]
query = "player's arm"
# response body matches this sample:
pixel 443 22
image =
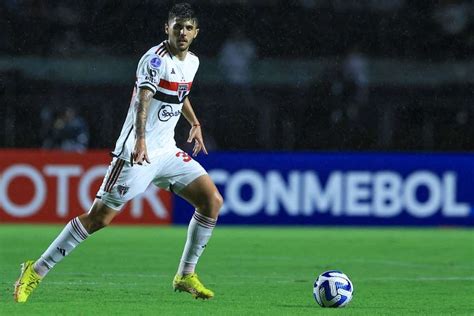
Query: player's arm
pixel 195 132
pixel 142 103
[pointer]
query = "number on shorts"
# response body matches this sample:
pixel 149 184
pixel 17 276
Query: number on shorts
pixel 185 156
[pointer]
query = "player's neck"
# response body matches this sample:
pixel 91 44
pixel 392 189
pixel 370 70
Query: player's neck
pixel 181 55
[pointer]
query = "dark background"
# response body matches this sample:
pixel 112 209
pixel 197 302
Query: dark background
pixel 332 109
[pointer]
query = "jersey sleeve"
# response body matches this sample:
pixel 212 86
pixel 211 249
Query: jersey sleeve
pixel 149 72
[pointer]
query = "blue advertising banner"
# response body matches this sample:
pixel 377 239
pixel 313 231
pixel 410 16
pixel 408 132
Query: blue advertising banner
pixel 341 189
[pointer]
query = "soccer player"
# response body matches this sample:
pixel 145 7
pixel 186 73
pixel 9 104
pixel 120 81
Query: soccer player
pixel 146 153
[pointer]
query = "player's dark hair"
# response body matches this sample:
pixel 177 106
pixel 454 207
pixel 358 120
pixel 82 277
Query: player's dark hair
pixel 182 11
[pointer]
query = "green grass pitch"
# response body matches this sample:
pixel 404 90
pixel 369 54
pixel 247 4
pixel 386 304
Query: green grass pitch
pixel 253 270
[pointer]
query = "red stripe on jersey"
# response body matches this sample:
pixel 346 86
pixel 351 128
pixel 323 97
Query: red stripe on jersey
pixel 173 86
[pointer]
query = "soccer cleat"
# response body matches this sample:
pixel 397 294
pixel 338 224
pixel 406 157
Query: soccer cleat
pixel 190 283
pixel 26 283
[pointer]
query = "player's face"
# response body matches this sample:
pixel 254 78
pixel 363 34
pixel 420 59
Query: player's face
pixel 181 33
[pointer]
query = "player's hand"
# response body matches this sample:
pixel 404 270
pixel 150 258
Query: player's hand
pixel 196 134
pixel 139 154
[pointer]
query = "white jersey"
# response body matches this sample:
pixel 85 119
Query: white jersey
pixel 170 79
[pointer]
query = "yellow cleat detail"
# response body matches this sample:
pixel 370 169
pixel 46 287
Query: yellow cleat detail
pixel 190 283
pixel 26 283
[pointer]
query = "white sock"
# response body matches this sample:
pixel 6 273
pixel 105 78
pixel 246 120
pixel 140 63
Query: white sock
pixel 199 231
pixel 71 236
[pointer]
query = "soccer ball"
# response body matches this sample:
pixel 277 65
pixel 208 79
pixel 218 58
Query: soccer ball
pixel 333 289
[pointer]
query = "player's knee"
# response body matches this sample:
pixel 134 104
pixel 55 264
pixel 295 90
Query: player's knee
pixel 211 205
pixel 215 203
pixel 98 217
pixel 219 201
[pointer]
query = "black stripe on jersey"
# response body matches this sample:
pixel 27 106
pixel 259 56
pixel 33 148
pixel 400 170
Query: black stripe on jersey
pixel 149 86
pixel 161 51
pixel 168 50
pixel 159 48
pixel 163 97
pixel 123 145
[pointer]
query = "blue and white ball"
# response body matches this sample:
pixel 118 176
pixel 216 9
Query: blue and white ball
pixel 333 289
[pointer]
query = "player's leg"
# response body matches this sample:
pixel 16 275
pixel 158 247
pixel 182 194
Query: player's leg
pixel 207 201
pixel 113 195
pixel 76 231
pixel 204 196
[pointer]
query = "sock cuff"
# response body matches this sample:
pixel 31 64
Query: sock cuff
pixel 76 228
pixel 204 221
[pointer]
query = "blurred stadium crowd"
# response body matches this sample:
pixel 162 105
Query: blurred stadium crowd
pixel 351 101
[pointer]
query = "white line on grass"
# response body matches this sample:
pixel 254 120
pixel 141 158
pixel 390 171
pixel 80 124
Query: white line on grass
pixel 137 275
pixel 422 278
pixel 92 283
pixel 260 281
pixel 275 279
pixel 410 264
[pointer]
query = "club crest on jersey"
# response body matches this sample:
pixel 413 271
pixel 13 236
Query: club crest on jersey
pixel 155 62
pixel 122 190
pixel 182 91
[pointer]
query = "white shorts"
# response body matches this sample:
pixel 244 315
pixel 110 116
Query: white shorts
pixel 171 170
